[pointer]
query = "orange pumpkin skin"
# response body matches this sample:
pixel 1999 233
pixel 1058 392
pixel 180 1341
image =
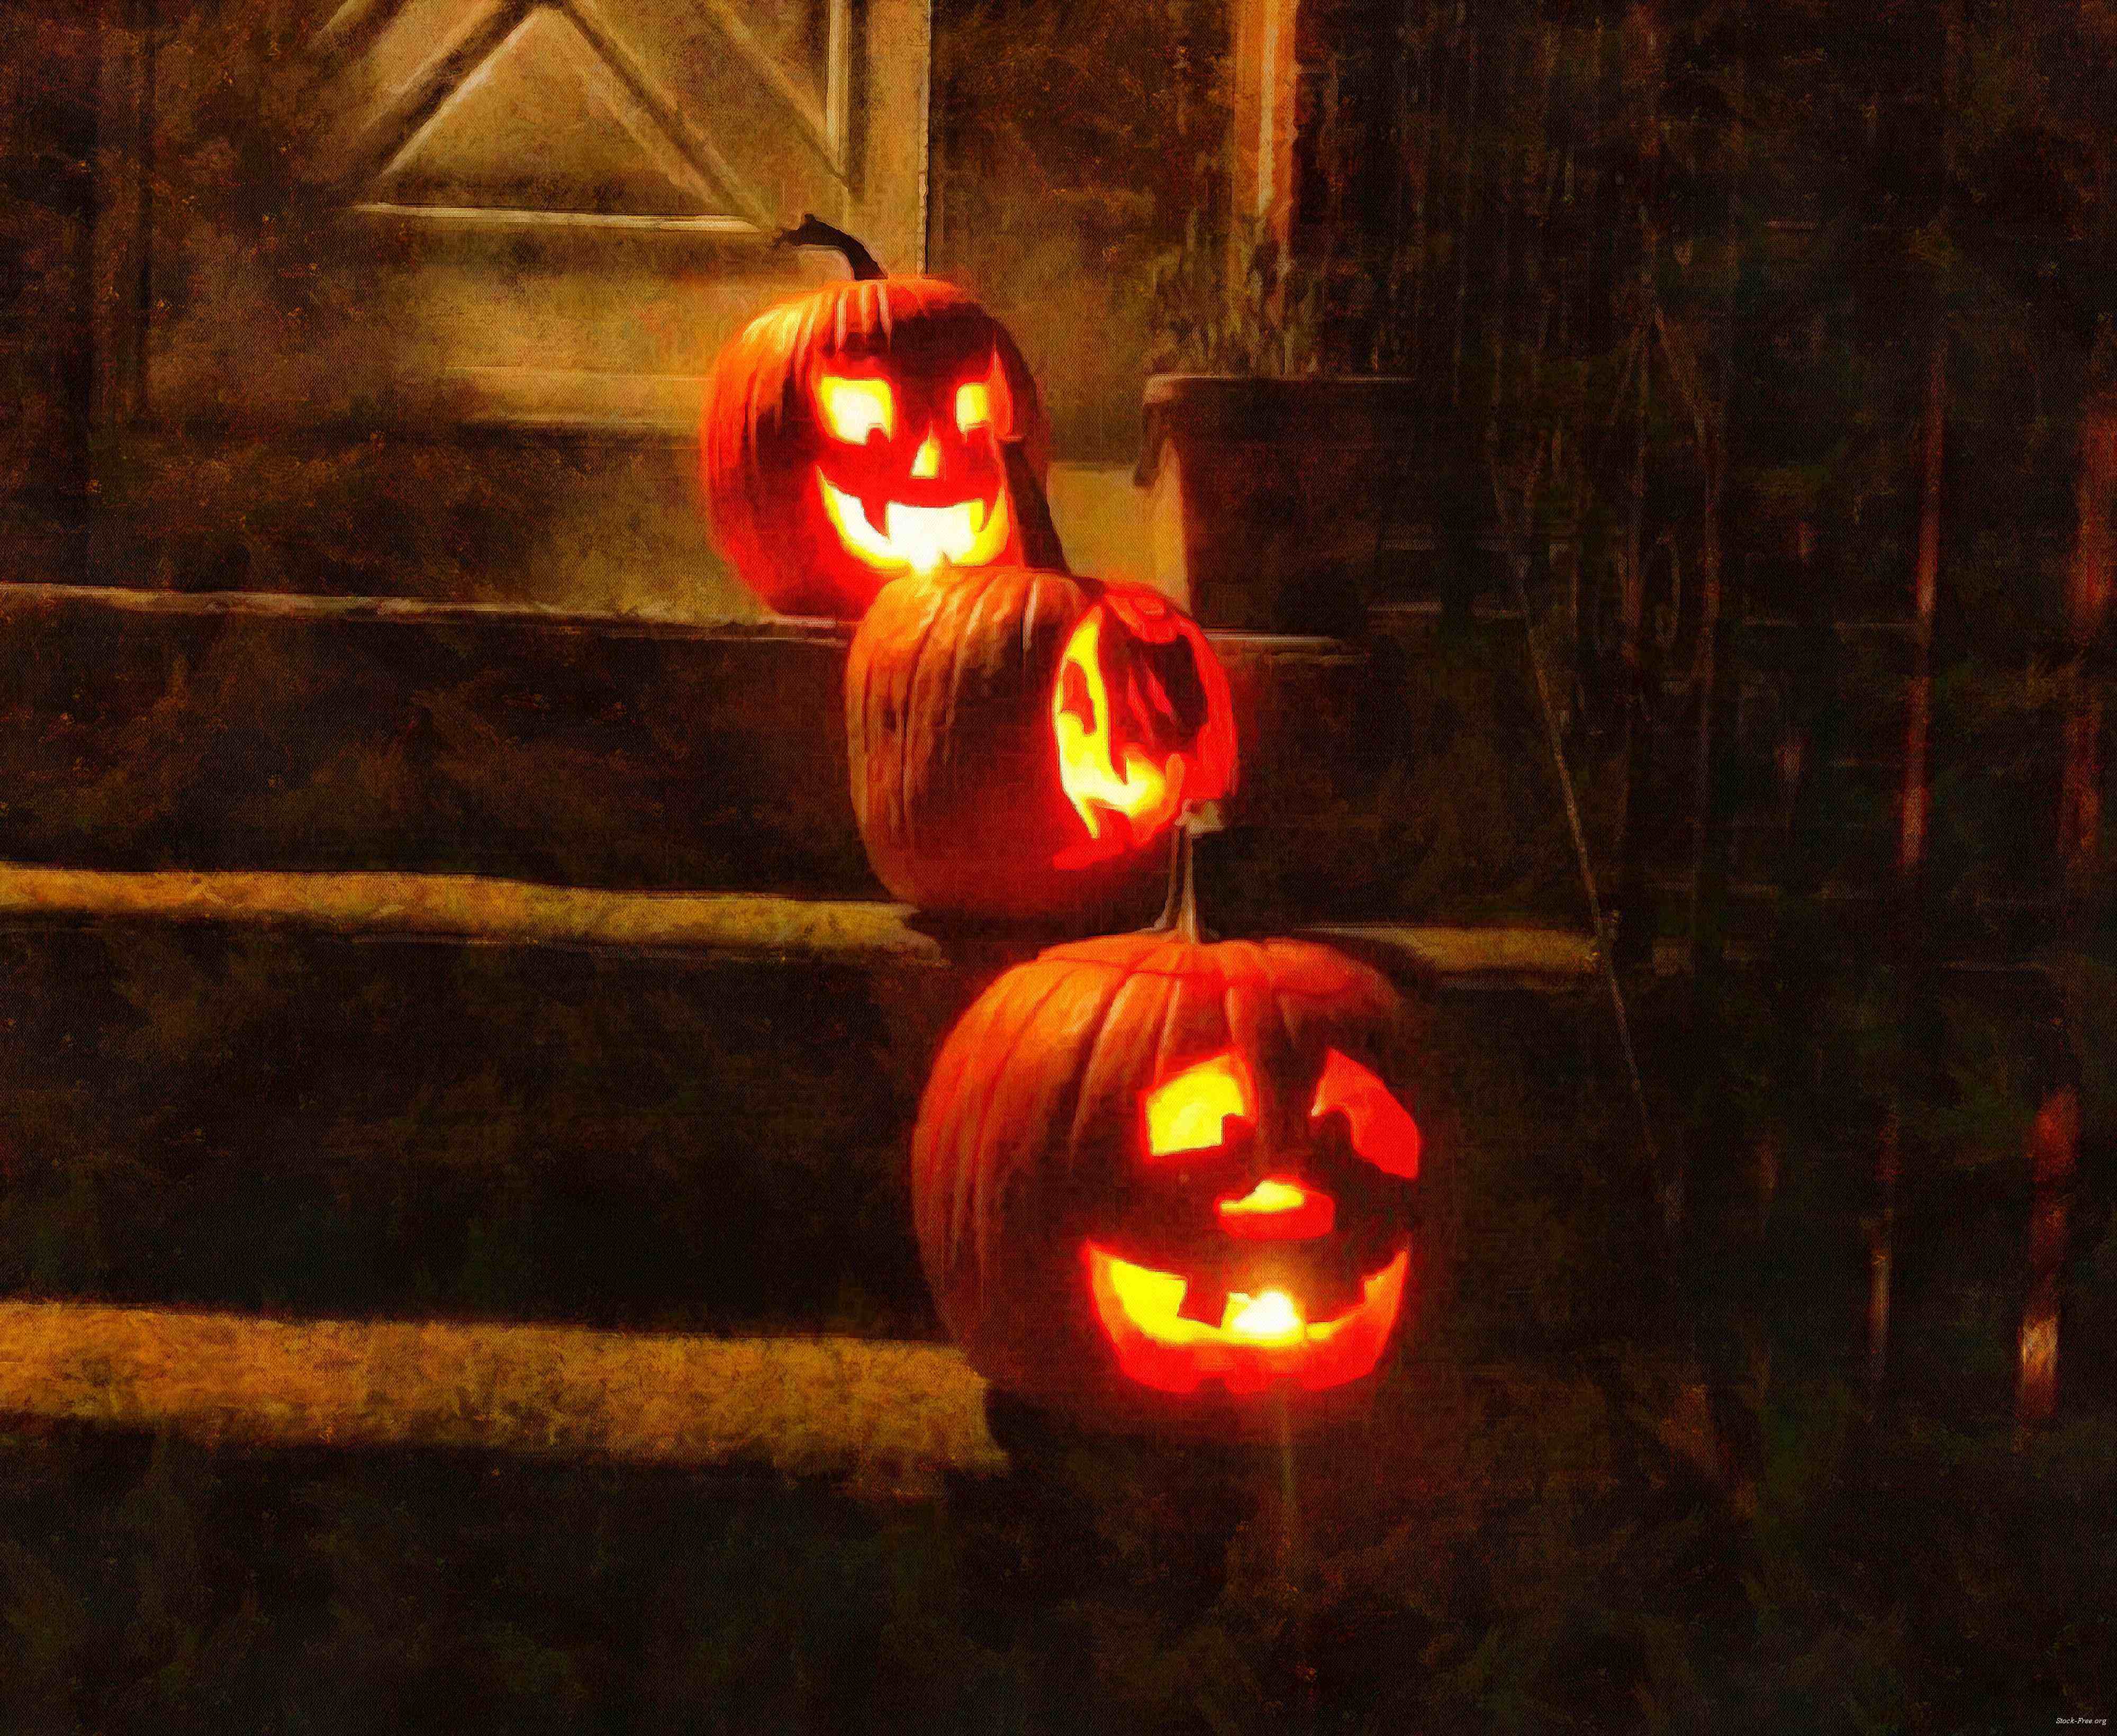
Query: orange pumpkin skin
pixel 957 780
pixel 765 447
pixel 1036 1161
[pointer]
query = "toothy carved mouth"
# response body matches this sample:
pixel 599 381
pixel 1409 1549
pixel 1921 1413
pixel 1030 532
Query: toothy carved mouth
pixel 918 538
pixel 1261 1338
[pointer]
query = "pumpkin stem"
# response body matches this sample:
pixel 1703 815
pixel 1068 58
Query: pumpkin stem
pixel 1040 547
pixel 1179 910
pixel 813 231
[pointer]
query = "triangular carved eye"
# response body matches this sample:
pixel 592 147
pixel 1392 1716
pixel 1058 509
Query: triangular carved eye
pixel 1189 1111
pixel 1381 1129
pixel 852 409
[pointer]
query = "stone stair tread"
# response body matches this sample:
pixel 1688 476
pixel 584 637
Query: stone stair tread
pixel 471 907
pixel 747 925
pixel 377 1094
pixel 888 1417
pixel 234 731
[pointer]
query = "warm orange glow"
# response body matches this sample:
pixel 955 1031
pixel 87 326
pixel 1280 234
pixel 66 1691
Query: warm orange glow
pixel 852 409
pixel 918 539
pixel 1152 1298
pixel 1267 1196
pixel 1382 1129
pixel 1260 1339
pixel 1145 1294
pixel 1277 1211
pixel 1189 1112
pixel 1132 804
pixel 926 461
pixel 973 406
pixel 1269 1317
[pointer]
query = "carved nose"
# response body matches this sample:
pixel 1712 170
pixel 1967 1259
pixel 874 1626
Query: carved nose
pixel 926 463
pixel 1277 1210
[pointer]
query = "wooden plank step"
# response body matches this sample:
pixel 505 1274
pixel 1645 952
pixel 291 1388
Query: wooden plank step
pixel 887 1418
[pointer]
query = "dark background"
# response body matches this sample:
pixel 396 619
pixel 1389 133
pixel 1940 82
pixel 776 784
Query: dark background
pixel 1689 289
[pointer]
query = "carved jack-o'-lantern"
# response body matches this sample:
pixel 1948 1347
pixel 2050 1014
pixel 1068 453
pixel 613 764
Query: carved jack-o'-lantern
pixel 1167 1185
pixel 852 435
pixel 1021 741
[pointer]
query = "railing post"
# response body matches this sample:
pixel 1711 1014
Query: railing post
pixel 1260 203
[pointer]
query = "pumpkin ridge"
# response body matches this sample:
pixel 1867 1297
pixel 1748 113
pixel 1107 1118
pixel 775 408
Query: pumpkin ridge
pixel 860 700
pixel 1124 979
pixel 1013 1010
pixel 967 1182
pixel 977 606
pixel 1078 952
pixel 1279 1003
pixel 912 665
pixel 939 1159
pixel 1163 1060
pixel 863 670
pixel 1057 598
pixel 989 1181
pixel 1030 610
pixel 1242 1019
pixel 918 767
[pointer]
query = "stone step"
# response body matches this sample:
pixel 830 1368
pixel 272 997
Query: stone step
pixel 420 1113
pixel 737 925
pixel 1407 778
pixel 877 1418
pixel 376 1094
pixel 146 730
pixel 887 1418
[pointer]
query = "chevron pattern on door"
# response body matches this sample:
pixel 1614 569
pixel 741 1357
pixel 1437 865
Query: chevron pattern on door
pixel 702 115
pixel 466 220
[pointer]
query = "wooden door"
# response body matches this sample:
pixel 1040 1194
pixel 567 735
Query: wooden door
pixel 415 297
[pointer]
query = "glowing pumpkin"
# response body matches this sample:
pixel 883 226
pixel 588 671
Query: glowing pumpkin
pixel 1167 1185
pixel 853 435
pixel 1021 741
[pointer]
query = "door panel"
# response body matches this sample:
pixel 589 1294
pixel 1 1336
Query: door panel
pixel 376 243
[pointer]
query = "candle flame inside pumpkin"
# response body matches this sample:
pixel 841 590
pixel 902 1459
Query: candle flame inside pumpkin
pixel 1260 1339
pixel 1121 794
pixel 1268 1319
